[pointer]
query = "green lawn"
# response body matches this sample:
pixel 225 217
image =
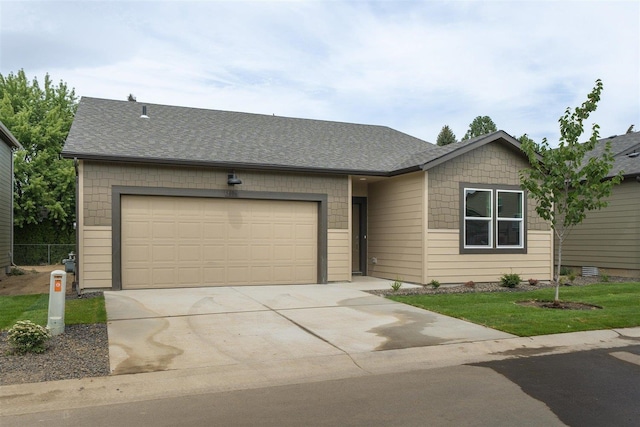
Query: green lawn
pixel 620 302
pixel 36 307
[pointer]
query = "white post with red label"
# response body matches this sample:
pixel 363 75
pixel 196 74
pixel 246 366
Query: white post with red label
pixel 57 291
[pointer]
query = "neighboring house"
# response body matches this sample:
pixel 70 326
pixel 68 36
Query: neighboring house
pixel 8 144
pixel 608 240
pixel 180 197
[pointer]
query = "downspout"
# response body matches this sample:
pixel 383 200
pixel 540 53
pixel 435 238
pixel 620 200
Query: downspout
pixel 76 272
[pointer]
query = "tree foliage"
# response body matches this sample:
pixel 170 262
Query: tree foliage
pixel 481 125
pixel 567 183
pixel 524 139
pixel 446 136
pixel 40 118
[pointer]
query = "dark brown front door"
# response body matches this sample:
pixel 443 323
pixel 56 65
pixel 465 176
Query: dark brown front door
pixel 359 236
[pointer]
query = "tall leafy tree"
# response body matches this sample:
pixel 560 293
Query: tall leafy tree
pixel 446 136
pixel 481 125
pixel 40 117
pixel 567 183
pixel 525 139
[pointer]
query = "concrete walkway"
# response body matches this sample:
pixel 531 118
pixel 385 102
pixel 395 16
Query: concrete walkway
pixel 175 329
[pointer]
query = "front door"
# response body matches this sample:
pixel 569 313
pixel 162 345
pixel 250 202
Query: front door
pixel 359 236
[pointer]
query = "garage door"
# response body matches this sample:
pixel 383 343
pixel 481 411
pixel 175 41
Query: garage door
pixel 171 242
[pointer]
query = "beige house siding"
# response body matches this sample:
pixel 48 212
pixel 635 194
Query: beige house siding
pixel 95 189
pixel 395 232
pixel 489 164
pixel 447 265
pixel 609 238
pixel 95 267
pixel 338 261
pixel 100 177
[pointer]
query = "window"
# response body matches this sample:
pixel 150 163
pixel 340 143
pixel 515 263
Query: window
pixel 478 218
pixel 493 219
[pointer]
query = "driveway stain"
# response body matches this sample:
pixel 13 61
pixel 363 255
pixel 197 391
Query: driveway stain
pixel 407 331
pixel 138 340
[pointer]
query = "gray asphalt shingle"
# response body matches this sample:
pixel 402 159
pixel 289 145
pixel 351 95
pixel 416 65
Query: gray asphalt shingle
pixel 114 130
pixel 621 147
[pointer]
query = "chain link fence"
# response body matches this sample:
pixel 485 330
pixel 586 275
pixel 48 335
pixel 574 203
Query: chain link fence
pixel 41 253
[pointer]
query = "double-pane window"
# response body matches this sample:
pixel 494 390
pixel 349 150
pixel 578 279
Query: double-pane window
pixel 493 218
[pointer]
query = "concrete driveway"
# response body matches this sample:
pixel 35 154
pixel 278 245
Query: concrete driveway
pixel 173 329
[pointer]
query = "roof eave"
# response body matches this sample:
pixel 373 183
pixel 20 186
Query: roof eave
pixel 227 165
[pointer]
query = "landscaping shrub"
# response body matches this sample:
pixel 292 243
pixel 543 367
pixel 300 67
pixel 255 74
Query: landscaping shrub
pixel 470 284
pixel 27 337
pixel 434 284
pixel 510 280
pixel 396 285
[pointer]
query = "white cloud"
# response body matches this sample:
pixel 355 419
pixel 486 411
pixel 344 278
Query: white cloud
pixel 413 66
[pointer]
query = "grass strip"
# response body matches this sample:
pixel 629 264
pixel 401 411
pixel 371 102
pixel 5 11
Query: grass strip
pixel 620 304
pixel 36 309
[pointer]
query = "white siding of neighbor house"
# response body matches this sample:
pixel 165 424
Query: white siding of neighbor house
pixel 447 265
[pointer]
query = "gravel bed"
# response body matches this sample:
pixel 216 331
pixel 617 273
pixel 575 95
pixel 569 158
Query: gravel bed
pixel 81 351
pixel 492 287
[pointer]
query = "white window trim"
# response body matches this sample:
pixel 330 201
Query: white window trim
pixel 475 218
pixel 520 220
pixel 494 220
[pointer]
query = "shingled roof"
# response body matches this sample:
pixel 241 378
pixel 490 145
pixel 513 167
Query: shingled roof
pixel 114 130
pixel 623 148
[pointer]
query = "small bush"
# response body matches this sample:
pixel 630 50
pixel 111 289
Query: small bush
pixel 604 277
pixel 434 284
pixel 27 337
pixel 510 280
pixel 572 277
pixel 533 282
pixel 470 284
pixel 396 285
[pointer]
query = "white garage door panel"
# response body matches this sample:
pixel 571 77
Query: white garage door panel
pixel 183 242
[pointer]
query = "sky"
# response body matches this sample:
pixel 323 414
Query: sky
pixel 414 66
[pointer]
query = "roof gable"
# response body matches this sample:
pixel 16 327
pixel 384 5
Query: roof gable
pixel 452 151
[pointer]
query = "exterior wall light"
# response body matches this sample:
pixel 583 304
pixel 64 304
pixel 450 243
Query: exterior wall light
pixel 232 179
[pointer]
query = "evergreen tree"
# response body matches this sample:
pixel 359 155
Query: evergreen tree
pixel 446 136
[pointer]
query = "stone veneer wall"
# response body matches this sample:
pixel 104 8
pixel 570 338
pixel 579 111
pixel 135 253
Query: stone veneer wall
pixel 99 177
pixel 490 164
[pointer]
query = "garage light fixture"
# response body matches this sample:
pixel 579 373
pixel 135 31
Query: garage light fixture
pixel 232 179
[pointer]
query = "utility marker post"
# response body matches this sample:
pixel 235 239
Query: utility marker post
pixel 57 292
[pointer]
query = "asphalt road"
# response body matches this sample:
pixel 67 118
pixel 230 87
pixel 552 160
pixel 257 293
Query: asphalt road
pixel 588 388
pixel 457 396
